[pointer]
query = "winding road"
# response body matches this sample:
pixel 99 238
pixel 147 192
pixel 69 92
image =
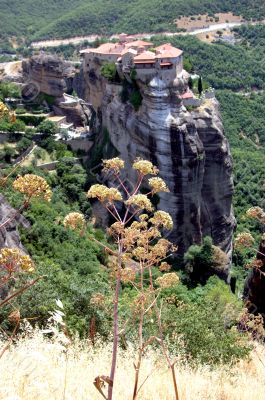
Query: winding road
pixel 92 38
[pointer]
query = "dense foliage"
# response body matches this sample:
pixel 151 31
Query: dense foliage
pixel 61 19
pixel 252 35
pixel 71 264
pixel 74 269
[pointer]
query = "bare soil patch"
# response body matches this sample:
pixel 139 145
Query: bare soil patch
pixel 204 21
pixel 210 37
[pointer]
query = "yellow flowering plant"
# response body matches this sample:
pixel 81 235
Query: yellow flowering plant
pixel 33 186
pixel 245 241
pixel 137 232
pixel 74 220
pixel 13 263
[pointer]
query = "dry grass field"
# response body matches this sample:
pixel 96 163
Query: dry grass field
pixel 203 21
pixel 36 369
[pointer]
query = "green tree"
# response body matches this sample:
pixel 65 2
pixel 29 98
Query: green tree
pixel 135 99
pixel 200 87
pixel 9 90
pixel 205 260
pixel 187 65
pixel 23 144
pixel 108 70
pixel 9 153
pixel 17 126
pixel 190 83
pixel 48 128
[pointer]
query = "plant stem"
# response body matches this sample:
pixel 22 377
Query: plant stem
pixel 140 351
pixel 115 326
pixel 164 349
pixel 18 292
pixel 10 340
pixel 161 337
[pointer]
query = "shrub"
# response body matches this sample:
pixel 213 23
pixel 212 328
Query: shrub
pixel 9 90
pixel 204 261
pixel 34 120
pixel 23 144
pixel 205 319
pixel 136 99
pixel 187 65
pixel 17 126
pixel 20 111
pixel 30 132
pixel 108 70
pixel 48 127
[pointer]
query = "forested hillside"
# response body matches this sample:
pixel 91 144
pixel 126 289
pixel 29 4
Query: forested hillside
pixel 56 18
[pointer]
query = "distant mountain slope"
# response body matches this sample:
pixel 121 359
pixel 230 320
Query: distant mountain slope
pixel 64 18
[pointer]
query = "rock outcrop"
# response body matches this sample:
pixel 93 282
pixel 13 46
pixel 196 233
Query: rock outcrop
pixel 189 148
pixel 255 285
pixel 48 72
pixel 52 76
pixel 9 236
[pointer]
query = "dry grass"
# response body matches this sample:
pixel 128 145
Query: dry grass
pixel 37 370
pixel 205 21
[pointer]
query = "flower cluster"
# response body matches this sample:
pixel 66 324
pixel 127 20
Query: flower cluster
pixel 14 317
pixel 97 299
pixel 117 228
pixel 163 219
pixel 74 220
pixel 145 167
pixel 33 186
pixel 114 165
pixel 256 212
pixel 167 280
pixel 141 201
pixel 257 264
pixel 4 112
pixel 11 260
pixel 161 248
pixel 141 300
pixel 244 240
pixel 127 274
pixel 104 194
pixel 158 185
pixel 164 267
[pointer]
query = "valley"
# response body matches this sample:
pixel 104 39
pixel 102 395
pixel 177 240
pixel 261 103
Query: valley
pixel 132 200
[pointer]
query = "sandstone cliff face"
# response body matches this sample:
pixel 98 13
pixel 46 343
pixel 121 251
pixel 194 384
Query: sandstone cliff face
pixel 52 76
pixel 255 285
pixel 190 150
pixel 47 72
pixel 9 236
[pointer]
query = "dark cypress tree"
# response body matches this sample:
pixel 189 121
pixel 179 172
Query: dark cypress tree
pixel 200 85
pixel 190 83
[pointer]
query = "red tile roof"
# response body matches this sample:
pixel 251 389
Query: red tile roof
pixel 138 43
pixel 89 50
pixel 144 62
pixel 145 56
pixel 165 64
pixel 128 50
pixel 167 51
pixel 187 95
pixel 109 48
